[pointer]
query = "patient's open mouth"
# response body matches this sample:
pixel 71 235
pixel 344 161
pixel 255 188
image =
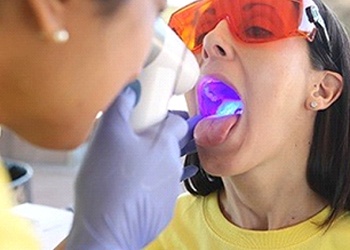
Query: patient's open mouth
pixel 215 97
pixel 221 107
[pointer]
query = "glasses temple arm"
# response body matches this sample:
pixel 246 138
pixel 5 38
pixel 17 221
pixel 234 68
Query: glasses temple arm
pixel 315 18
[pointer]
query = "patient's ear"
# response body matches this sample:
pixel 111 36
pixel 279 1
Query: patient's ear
pixel 49 15
pixel 326 91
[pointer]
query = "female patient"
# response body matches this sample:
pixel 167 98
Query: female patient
pixel 276 175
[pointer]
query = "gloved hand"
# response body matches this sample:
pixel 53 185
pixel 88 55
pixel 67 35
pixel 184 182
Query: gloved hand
pixel 128 183
pixel 187 143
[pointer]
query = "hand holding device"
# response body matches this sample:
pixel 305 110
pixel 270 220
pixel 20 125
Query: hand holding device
pixel 128 183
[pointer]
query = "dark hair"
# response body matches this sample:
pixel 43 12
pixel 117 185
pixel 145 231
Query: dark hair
pixel 328 170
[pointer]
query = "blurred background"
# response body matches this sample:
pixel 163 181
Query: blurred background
pixel 342 9
pixel 52 179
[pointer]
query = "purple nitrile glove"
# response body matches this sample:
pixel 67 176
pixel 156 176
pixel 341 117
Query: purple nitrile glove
pixel 187 143
pixel 128 183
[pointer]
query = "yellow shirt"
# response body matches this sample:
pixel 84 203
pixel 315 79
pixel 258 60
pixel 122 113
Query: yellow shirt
pixel 15 233
pixel 199 224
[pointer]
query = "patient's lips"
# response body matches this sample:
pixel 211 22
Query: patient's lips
pixel 221 106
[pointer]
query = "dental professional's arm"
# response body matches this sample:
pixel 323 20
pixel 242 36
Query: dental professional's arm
pixel 128 183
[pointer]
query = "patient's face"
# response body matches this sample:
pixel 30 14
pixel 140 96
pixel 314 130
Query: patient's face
pixel 273 80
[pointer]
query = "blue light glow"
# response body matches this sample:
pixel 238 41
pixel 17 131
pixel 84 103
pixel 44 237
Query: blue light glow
pixel 217 98
pixel 229 108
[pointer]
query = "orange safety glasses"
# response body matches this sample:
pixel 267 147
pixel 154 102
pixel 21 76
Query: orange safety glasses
pixel 251 21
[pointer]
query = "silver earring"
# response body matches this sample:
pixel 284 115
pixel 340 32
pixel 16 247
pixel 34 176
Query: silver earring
pixel 60 36
pixel 313 104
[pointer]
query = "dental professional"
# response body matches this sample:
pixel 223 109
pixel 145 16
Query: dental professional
pixel 63 61
pixel 275 175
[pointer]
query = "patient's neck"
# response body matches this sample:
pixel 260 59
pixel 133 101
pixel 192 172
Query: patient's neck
pixel 260 201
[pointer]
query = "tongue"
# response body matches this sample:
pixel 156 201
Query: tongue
pixel 212 131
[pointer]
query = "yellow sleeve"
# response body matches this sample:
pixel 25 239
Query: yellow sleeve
pixel 15 233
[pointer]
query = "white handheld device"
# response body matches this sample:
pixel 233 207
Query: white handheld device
pixel 171 69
